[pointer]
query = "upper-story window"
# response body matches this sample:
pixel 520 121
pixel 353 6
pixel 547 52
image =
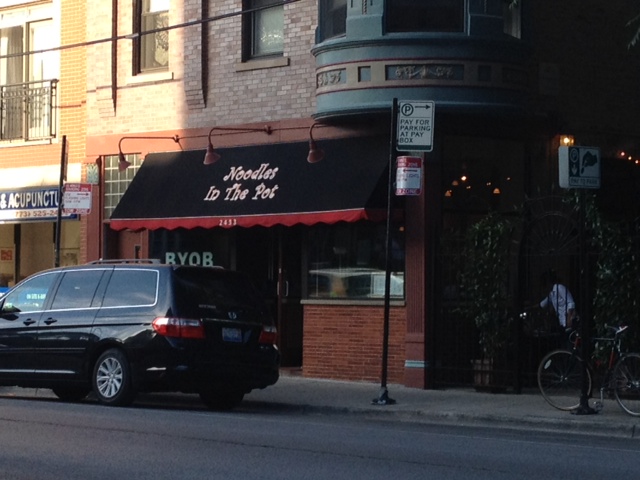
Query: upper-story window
pixel 425 15
pixel 152 49
pixel 28 81
pixel 263 29
pixel 333 18
pixel 512 19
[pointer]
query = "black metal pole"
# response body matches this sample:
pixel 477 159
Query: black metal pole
pixel 63 174
pixel 383 398
pixel 585 334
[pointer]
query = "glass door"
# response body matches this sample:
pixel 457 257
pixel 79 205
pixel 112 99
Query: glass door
pixel 272 258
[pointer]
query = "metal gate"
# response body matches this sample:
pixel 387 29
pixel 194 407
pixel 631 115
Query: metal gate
pixel 545 236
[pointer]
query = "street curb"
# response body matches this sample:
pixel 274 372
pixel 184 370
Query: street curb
pixel 537 424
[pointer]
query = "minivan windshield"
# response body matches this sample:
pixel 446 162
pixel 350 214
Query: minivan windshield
pixel 211 292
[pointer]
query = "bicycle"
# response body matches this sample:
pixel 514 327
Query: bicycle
pixel 560 375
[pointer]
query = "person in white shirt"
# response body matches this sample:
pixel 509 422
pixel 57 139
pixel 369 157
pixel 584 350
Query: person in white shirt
pixel 560 298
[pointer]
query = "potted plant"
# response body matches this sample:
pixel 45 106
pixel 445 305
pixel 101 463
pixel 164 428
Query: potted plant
pixel 484 287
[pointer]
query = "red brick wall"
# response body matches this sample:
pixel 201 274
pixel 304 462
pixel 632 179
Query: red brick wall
pixel 345 342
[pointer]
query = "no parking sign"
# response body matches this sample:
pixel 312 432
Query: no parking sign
pixel 409 176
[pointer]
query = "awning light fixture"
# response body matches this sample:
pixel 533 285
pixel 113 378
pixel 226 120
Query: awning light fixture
pixel 315 154
pixel 212 156
pixel 123 163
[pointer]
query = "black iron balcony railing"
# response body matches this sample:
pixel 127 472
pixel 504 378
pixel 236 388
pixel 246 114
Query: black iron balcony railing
pixel 27 110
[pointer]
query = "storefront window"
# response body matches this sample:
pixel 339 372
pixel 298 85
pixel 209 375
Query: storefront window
pixel 198 246
pixel 483 174
pixel 480 175
pixel 348 261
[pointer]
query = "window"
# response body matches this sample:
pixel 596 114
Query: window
pixel 28 82
pixel 117 182
pixel 425 15
pixel 31 295
pixel 131 288
pixel 77 289
pixel 153 48
pixel 263 29
pixel 333 18
pixel 511 19
pixel 348 261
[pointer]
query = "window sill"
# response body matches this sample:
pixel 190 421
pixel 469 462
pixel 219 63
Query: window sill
pixel 18 142
pixel 261 64
pixel 353 302
pixel 150 78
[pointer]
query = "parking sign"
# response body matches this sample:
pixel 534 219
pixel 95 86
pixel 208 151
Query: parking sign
pixel 415 126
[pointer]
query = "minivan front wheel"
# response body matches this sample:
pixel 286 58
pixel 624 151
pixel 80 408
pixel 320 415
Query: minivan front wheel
pixel 112 379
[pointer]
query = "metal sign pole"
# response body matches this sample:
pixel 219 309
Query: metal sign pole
pixel 585 333
pixel 383 398
pixel 63 174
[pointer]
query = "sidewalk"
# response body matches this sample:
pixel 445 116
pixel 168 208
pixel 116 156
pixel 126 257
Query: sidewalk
pixel 456 406
pixel 452 406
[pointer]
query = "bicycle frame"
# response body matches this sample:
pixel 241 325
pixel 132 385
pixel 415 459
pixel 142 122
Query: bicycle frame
pixel 615 353
pixel 561 373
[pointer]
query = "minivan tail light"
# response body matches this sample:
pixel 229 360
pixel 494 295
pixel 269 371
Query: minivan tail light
pixel 268 335
pixel 178 327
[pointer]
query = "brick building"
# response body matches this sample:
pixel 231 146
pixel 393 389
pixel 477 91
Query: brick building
pixel 253 80
pixel 43 100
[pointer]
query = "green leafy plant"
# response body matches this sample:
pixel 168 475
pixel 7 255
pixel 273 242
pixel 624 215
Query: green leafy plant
pixel 617 273
pixel 484 282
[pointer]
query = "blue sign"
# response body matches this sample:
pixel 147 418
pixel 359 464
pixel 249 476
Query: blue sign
pixel 30 204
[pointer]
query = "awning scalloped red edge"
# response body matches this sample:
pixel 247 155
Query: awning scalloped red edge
pixel 286 219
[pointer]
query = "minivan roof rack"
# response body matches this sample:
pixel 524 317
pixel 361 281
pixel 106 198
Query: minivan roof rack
pixel 123 260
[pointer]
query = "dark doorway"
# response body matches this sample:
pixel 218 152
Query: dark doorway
pixel 272 257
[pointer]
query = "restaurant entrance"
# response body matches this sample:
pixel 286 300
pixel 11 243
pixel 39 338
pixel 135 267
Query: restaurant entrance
pixel 272 258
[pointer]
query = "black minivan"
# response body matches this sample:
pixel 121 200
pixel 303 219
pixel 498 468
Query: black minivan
pixel 116 328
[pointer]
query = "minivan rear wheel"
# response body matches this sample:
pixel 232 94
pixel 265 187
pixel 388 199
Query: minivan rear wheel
pixel 112 383
pixel 221 399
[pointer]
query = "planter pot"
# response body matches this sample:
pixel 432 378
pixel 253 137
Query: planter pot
pixel 485 378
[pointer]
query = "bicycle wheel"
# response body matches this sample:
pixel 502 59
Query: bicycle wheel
pixel 627 383
pixel 560 379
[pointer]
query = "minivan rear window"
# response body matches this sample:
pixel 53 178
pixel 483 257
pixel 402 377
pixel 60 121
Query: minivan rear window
pixel 131 288
pixel 209 292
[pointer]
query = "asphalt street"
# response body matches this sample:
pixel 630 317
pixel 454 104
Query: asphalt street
pixel 457 406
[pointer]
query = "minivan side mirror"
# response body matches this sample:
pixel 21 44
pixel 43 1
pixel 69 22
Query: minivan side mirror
pixel 8 311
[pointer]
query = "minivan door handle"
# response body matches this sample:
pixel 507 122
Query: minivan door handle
pixel 50 320
pixel 29 322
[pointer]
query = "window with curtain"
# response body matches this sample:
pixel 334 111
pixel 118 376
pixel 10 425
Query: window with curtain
pixel 28 80
pixel 425 15
pixel 152 48
pixel 263 29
